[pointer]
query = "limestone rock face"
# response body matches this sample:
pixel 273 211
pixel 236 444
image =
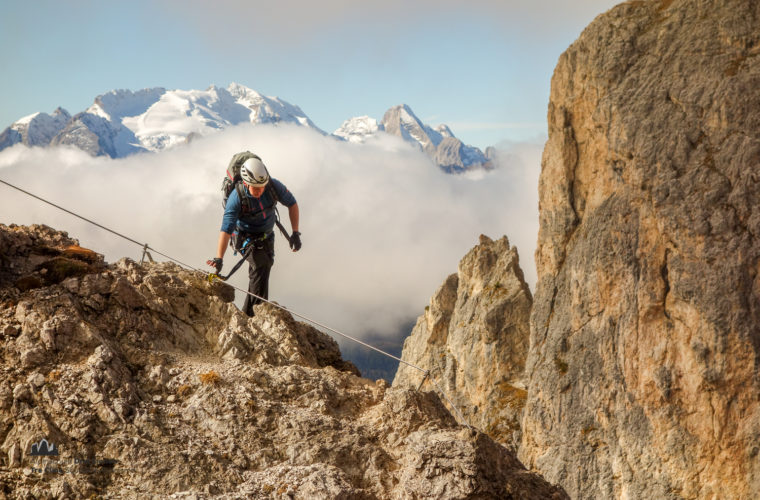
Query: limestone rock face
pixel 645 336
pixel 150 383
pixel 473 338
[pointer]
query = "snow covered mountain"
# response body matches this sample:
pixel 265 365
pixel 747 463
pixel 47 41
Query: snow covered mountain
pixel 358 129
pixel 439 143
pixel 35 130
pixel 122 122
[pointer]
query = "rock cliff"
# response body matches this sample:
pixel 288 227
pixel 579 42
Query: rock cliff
pixel 473 338
pixel 643 369
pixel 146 381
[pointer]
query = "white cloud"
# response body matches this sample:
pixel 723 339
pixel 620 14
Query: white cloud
pixel 382 227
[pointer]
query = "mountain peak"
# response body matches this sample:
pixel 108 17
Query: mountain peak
pixel 122 122
pixel 239 90
pixel 448 152
pixel 36 129
pixel 404 113
pixel 120 103
pixel 444 130
pixel 358 129
pixel 483 308
pixel 402 107
pixel 25 120
pixel 439 143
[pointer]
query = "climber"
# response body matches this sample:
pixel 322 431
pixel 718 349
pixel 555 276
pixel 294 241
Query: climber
pixel 253 218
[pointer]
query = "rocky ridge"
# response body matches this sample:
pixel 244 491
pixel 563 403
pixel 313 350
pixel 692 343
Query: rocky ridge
pixel 151 383
pixel 643 369
pixel 473 338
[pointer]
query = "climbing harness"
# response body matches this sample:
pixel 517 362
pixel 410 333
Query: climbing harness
pixel 212 277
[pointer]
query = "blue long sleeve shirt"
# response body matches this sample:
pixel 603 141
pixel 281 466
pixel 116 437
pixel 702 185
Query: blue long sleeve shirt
pixel 261 218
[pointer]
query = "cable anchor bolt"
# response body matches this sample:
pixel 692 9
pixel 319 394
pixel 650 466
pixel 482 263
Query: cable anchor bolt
pixel 427 374
pixel 146 253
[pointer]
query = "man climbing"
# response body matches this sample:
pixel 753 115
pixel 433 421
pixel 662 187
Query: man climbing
pixel 250 210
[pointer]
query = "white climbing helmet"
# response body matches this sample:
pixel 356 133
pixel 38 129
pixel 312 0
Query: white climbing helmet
pixel 254 173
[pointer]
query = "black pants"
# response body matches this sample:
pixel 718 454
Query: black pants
pixel 261 259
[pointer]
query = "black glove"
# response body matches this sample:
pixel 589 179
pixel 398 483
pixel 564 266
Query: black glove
pixel 295 241
pixel 216 262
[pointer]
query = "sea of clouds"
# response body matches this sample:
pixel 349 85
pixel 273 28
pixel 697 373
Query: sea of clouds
pixel 382 225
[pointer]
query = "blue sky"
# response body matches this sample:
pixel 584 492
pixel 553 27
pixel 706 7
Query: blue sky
pixel 482 67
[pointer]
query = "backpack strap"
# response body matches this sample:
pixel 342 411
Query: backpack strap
pixel 245 203
pixel 272 192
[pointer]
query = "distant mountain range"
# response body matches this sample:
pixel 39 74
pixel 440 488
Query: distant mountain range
pixel 448 152
pixel 120 123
